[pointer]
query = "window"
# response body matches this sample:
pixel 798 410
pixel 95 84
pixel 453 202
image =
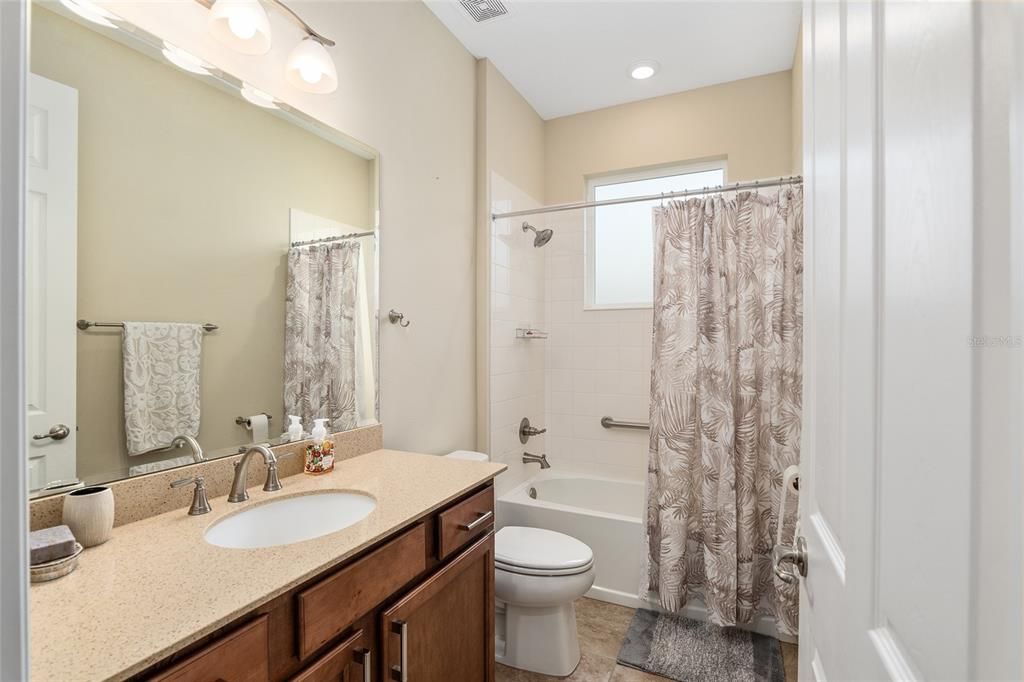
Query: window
pixel 620 238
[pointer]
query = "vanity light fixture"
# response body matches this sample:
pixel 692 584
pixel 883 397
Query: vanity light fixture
pixel 90 12
pixel 184 60
pixel 310 68
pixel 242 25
pixel 257 97
pixel 245 26
pixel 643 70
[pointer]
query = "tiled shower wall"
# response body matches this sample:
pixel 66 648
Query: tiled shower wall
pixel 598 364
pixel 516 365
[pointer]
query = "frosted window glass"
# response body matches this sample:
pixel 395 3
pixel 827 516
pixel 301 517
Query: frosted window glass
pixel 623 237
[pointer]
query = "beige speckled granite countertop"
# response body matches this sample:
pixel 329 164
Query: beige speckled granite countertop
pixel 157 586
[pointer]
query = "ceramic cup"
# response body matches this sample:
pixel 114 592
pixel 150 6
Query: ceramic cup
pixel 89 513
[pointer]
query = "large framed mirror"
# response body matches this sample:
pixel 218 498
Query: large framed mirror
pixel 202 261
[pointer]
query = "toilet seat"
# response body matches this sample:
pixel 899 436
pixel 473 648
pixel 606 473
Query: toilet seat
pixel 540 552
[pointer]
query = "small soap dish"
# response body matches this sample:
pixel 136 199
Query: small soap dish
pixel 58 568
pixel 522 333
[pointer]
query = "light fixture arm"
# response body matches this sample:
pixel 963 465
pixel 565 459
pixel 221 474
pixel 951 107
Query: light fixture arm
pixel 318 37
pixel 323 40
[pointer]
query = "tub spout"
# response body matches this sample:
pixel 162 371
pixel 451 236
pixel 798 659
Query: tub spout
pixel 540 459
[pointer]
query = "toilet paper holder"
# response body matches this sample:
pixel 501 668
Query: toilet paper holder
pixel 247 423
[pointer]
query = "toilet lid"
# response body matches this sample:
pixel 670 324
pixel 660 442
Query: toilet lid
pixel 538 549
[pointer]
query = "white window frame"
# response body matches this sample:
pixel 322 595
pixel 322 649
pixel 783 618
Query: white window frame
pixel 648 173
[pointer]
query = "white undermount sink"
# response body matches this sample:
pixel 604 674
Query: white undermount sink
pixel 290 519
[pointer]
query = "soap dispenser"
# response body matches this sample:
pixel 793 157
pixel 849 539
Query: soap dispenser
pixel 319 430
pixel 319 453
pixel 294 428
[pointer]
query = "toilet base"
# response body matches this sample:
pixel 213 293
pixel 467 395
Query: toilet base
pixel 541 639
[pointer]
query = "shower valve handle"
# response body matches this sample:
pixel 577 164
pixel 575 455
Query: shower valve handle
pixel 526 431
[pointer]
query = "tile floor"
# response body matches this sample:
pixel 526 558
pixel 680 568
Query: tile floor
pixel 602 627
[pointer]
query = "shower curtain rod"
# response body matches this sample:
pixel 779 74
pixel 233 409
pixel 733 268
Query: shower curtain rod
pixel 554 208
pixel 340 237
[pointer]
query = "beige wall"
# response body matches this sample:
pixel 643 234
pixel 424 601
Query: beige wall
pixel 407 88
pixel 510 272
pixel 797 91
pixel 184 194
pixel 748 122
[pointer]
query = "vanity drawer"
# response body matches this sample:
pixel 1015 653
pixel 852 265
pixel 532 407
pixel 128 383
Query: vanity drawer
pixel 333 604
pixel 238 657
pixel 465 522
pixel 331 666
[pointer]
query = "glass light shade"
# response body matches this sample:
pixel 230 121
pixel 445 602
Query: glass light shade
pixel 184 60
pixel 242 25
pixel 311 68
pixel 89 11
pixel 257 97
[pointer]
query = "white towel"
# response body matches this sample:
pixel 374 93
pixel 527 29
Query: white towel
pixel 161 383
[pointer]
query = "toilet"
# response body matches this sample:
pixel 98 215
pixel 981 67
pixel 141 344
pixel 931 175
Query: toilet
pixel 538 574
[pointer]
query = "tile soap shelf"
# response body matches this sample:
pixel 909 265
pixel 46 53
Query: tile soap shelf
pixel 529 333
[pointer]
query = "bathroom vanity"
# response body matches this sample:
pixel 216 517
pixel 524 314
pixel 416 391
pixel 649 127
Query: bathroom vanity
pixel 405 594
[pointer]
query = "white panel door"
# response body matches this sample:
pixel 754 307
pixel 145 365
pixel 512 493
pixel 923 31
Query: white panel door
pixel 51 233
pixel 899 136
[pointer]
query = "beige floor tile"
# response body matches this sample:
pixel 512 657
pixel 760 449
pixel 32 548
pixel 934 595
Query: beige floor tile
pixel 602 626
pixel 591 669
pixel 789 659
pixel 624 674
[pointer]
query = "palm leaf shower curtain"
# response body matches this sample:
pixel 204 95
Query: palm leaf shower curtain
pixel 725 400
pixel 320 334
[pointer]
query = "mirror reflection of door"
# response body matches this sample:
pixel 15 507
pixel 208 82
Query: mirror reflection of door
pixel 50 265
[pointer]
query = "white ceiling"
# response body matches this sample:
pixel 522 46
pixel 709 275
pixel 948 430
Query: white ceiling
pixel 568 56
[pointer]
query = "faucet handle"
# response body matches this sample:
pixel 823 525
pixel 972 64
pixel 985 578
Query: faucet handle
pixel 200 503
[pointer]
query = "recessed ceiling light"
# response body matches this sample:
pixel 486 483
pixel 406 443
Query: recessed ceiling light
pixel 257 97
pixel 643 70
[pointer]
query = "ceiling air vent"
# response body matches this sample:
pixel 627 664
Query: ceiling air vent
pixel 482 10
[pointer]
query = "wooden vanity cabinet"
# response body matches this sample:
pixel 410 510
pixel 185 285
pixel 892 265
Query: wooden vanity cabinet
pixel 443 629
pixel 432 581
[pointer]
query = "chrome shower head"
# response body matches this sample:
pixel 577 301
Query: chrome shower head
pixel 542 236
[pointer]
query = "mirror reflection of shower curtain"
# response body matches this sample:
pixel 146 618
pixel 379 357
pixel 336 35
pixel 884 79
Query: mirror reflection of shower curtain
pixel 320 333
pixel 366 344
pixel 725 401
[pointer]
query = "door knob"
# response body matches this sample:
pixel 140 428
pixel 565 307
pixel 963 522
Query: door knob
pixel 56 432
pixel 794 555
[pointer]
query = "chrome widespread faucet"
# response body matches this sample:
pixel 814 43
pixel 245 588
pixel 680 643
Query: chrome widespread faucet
pixel 238 493
pixel 193 444
pixel 529 458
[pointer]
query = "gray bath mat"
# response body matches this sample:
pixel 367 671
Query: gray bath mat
pixel 692 651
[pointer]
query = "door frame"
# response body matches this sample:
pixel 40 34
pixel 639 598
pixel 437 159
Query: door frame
pixel 13 482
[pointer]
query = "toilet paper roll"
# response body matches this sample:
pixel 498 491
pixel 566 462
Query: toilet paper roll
pixel 790 483
pixel 259 427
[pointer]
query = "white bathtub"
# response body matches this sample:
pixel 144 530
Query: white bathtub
pixel 605 513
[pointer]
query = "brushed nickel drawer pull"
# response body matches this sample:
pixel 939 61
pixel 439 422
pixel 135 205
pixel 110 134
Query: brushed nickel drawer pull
pixel 363 659
pixel 400 672
pixel 484 518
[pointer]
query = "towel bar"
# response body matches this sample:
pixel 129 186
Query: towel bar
pixel 85 324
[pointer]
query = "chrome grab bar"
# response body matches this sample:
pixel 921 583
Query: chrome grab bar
pixel 612 423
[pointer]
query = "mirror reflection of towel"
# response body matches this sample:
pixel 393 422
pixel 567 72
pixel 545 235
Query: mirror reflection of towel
pixel 161 383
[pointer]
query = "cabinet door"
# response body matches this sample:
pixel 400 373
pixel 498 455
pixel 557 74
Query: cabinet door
pixel 350 661
pixel 443 630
